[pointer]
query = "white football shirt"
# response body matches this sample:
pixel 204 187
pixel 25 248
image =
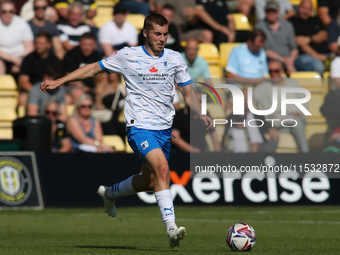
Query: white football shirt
pixel 150 84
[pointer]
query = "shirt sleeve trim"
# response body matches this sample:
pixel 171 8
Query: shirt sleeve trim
pixel 184 83
pixel 102 66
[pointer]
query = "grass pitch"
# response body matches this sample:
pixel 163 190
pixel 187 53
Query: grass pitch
pixel 280 230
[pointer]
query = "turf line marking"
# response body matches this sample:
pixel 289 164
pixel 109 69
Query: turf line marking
pixel 245 220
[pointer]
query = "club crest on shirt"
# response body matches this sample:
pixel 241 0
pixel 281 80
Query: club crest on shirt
pixel 166 63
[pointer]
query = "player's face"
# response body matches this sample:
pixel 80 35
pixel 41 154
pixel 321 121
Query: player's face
pixel 40 8
pixel 156 38
pixel 87 46
pixel 42 45
pixel 7 12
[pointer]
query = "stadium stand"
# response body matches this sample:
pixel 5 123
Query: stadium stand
pixel 287 144
pixel 127 146
pixel 241 22
pixel 114 141
pixel 137 20
pixel 309 80
pixel 210 52
pixel 225 49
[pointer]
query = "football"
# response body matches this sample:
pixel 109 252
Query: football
pixel 241 237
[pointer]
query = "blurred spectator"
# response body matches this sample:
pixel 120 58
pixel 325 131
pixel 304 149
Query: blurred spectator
pixel 197 66
pixel 37 99
pixel 330 108
pixel 242 138
pixel 117 33
pixel 138 6
pixel 112 98
pixel 220 20
pixel 81 55
pixel 263 100
pixel 248 62
pixel 335 67
pixel 280 38
pixel 186 18
pixel 61 142
pixel 34 65
pixel 333 30
pixel 328 10
pixel 89 8
pixel 38 23
pixel 173 42
pixel 16 40
pixel 71 32
pixel 285 7
pixel 188 124
pixel 27 12
pixel 241 6
pixel 311 37
pixel 85 131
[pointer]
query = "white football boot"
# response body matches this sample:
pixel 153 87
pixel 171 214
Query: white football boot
pixel 109 204
pixel 176 235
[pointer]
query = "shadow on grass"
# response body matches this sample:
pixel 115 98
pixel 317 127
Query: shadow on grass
pixel 118 247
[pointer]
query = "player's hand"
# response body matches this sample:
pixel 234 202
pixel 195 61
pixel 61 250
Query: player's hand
pixel 207 120
pixel 48 86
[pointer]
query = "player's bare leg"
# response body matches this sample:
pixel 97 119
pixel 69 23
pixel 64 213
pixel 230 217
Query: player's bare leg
pixel 158 164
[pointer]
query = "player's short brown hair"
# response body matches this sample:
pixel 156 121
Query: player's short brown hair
pixel 154 18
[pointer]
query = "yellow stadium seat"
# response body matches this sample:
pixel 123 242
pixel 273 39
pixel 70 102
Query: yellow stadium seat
pixel 312 129
pixel 7 82
pixel 225 49
pixel 70 109
pixel 287 144
pixel 8 101
pixel 297 2
pixel 309 80
pixel 114 141
pixel 326 77
pixel 104 15
pixel 315 134
pixel 127 146
pixel 7 113
pixel 314 104
pixel 183 44
pixel 21 111
pixel 215 71
pixel 137 20
pixel 6 133
pixel 241 22
pixel 209 52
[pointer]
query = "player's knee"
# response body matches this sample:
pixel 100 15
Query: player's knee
pixel 163 172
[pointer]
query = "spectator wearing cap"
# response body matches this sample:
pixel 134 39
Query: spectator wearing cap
pixel 117 33
pixel 280 37
pixel 311 37
pixel 286 9
pixel 333 30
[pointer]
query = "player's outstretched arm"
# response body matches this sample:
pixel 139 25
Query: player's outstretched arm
pixel 192 101
pixel 81 73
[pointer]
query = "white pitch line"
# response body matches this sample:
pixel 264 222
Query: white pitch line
pixel 270 212
pixel 243 220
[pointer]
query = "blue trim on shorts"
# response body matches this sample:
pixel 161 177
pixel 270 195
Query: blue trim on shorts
pixel 103 67
pixel 142 141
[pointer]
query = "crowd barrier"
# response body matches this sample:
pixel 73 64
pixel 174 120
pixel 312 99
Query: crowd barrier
pixel 71 180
